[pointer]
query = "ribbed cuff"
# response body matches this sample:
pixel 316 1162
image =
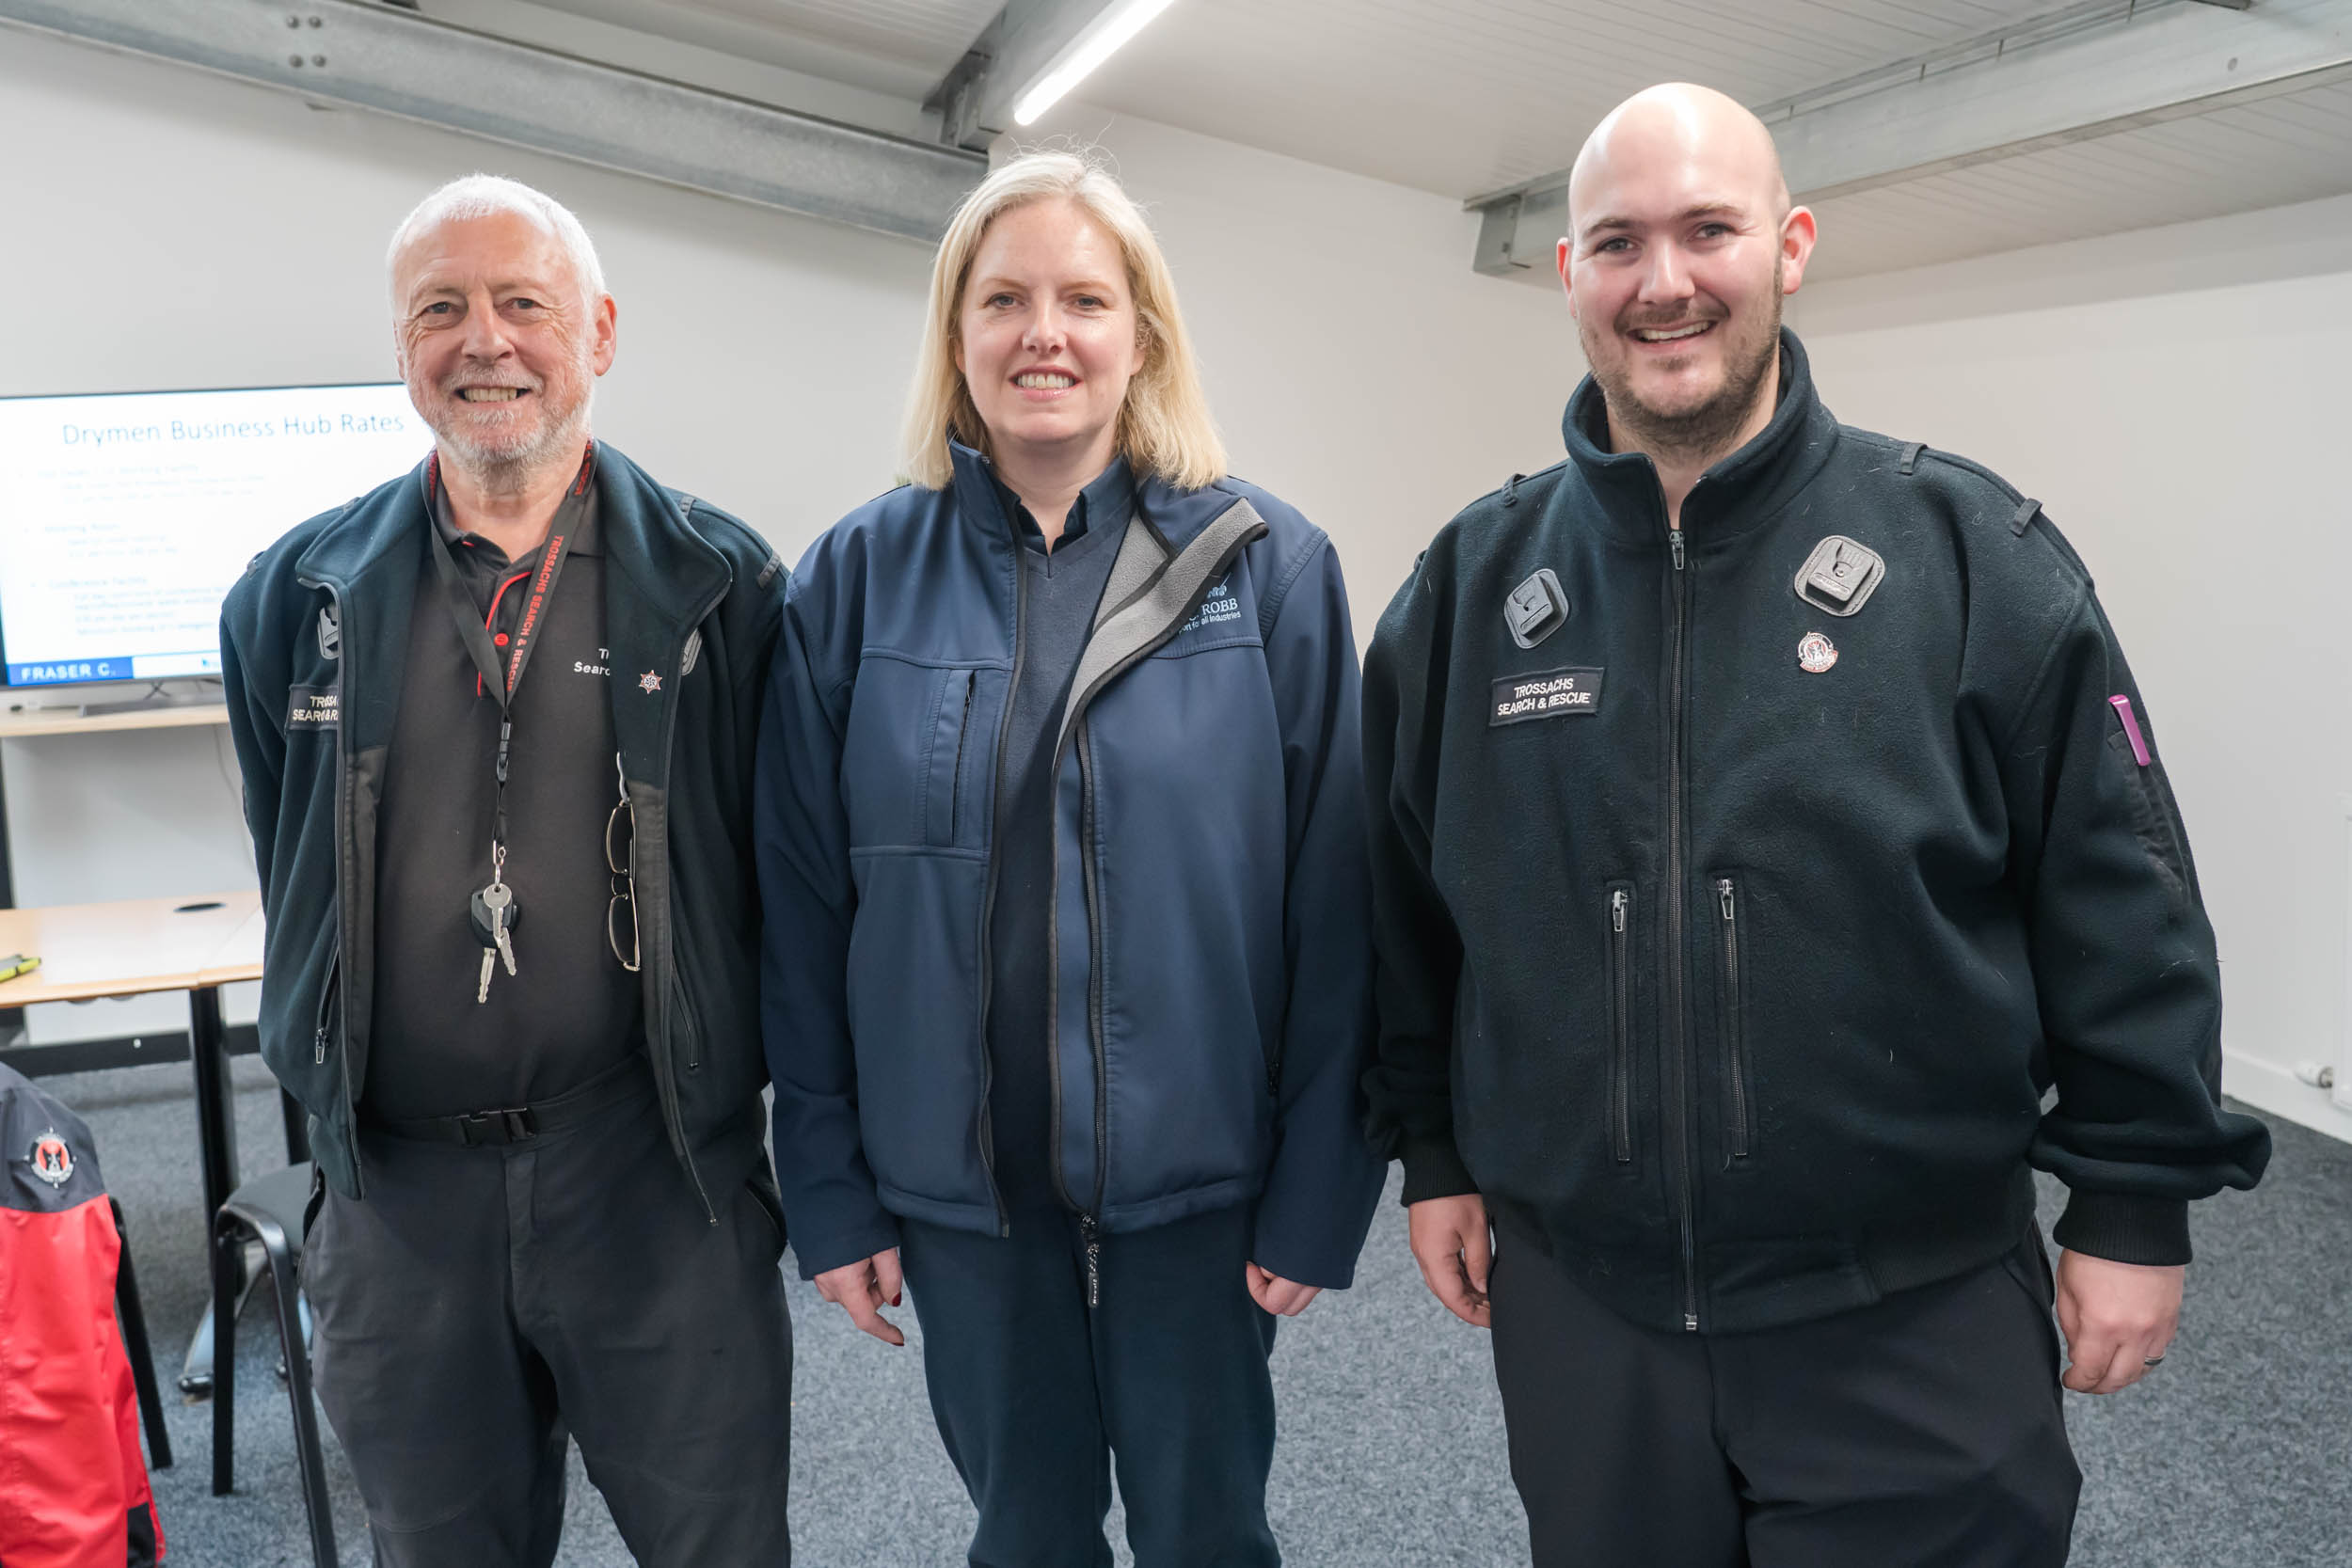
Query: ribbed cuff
pixel 2124 1228
pixel 1433 1168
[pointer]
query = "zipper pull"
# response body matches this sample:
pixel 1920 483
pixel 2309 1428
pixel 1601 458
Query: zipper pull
pixel 318 1051
pixel 1616 910
pixel 1690 1322
pixel 1723 890
pixel 1092 1230
pixel 1673 537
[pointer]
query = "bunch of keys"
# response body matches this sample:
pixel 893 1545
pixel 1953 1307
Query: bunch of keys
pixel 495 916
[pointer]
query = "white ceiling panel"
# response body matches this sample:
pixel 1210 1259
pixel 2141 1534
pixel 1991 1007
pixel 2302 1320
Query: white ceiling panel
pixel 2297 148
pixel 1464 96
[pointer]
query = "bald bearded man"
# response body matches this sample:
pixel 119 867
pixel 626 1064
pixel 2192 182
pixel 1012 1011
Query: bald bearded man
pixel 1764 821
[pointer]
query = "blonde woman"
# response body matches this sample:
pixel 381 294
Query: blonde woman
pixel 1061 838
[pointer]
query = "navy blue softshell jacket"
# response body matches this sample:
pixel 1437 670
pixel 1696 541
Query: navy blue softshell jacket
pixel 1211 1014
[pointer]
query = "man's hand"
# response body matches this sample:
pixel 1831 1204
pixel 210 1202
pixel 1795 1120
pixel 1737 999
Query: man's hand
pixel 1283 1298
pixel 1455 1250
pixel 2116 1317
pixel 863 1289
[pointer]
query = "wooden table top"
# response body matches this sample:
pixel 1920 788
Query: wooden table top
pixel 25 723
pixel 133 946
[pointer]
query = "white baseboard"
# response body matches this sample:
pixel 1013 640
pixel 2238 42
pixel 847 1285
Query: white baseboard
pixel 2271 1088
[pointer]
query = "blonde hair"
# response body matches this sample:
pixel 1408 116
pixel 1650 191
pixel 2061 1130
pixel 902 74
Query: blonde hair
pixel 1164 426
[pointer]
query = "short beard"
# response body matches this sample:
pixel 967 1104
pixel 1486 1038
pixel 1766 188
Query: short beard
pixel 1706 432
pixel 510 469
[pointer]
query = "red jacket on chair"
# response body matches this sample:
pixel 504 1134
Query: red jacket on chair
pixel 73 1490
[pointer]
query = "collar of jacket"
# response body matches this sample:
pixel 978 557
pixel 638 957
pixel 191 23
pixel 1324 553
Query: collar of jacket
pixel 643 529
pixel 1174 516
pixel 661 576
pixel 1731 498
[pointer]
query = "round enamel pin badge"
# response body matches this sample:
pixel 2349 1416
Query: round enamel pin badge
pixel 1816 654
pixel 51 1160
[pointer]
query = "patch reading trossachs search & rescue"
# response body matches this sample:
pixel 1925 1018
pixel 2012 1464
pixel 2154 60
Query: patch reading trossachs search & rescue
pixel 1544 695
pixel 311 708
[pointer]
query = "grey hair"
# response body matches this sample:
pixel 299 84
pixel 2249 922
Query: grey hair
pixel 482 196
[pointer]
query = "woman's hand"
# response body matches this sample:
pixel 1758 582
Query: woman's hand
pixel 863 1289
pixel 1283 1298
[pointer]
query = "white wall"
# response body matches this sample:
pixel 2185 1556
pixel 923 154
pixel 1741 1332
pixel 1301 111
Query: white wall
pixel 2178 398
pixel 169 228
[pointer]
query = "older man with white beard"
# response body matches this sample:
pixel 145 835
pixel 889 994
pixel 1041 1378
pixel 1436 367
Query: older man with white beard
pixel 496 722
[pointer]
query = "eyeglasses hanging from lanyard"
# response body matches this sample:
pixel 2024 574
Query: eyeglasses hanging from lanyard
pixel 493 910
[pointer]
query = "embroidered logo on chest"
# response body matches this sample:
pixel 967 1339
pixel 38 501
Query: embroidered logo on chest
pixel 1218 604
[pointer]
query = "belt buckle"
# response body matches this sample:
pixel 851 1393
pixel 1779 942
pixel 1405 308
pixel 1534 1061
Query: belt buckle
pixel 498 1127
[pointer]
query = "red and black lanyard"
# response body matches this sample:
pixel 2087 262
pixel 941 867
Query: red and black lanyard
pixel 475 633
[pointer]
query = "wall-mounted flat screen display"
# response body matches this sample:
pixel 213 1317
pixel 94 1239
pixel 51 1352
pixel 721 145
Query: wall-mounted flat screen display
pixel 124 518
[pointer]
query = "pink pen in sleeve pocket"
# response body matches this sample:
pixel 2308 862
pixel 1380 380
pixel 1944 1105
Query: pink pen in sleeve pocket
pixel 2122 706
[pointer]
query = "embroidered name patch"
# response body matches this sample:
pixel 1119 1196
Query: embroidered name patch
pixel 308 707
pixel 1545 694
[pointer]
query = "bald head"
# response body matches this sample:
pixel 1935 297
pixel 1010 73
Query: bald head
pixel 1680 133
pixel 1681 242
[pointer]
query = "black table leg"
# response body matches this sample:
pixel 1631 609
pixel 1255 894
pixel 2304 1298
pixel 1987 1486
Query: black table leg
pixel 215 1116
pixel 216 1140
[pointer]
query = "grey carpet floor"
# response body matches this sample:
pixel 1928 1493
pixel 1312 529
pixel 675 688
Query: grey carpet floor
pixel 2238 1454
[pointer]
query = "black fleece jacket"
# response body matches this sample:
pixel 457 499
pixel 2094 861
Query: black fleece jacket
pixel 1728 945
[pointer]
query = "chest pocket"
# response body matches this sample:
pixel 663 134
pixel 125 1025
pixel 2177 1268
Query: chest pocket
pixel 941 803
pixel 916 754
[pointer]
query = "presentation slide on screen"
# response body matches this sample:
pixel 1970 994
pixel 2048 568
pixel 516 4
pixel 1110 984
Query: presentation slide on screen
pixel 124 520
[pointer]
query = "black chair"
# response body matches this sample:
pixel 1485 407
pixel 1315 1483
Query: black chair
pixel 135 1342
pixel 269 1210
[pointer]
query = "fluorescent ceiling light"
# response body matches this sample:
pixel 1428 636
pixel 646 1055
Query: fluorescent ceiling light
pixel 1096 42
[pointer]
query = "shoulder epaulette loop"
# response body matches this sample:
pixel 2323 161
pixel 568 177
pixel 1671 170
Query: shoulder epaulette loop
pixel 1911 456
pixel 2023 520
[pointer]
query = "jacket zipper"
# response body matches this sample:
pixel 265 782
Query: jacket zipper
pixel 673 1113
pixel 345 879
pixel 988 896
pixel 1621 1027
pixel 1735 1066
pixel 326 1003
pixel 955 780
pixel 1090 1217
pixel 1675 902
pixel 1090 1223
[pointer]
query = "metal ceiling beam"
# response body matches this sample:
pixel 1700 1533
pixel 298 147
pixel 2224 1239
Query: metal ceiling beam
pixel 389 58
pixel 975 100
pixel 2068 75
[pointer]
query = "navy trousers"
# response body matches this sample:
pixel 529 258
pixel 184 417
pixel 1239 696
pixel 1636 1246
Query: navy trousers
pixel 1924 1431
pixel 1036 1395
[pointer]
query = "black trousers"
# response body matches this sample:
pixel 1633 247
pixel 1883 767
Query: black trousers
pixel 1034 1393
pixel 1923 1431
pixel 478 1303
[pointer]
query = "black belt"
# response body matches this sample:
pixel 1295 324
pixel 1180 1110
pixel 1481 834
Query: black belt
pixel 522 1123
